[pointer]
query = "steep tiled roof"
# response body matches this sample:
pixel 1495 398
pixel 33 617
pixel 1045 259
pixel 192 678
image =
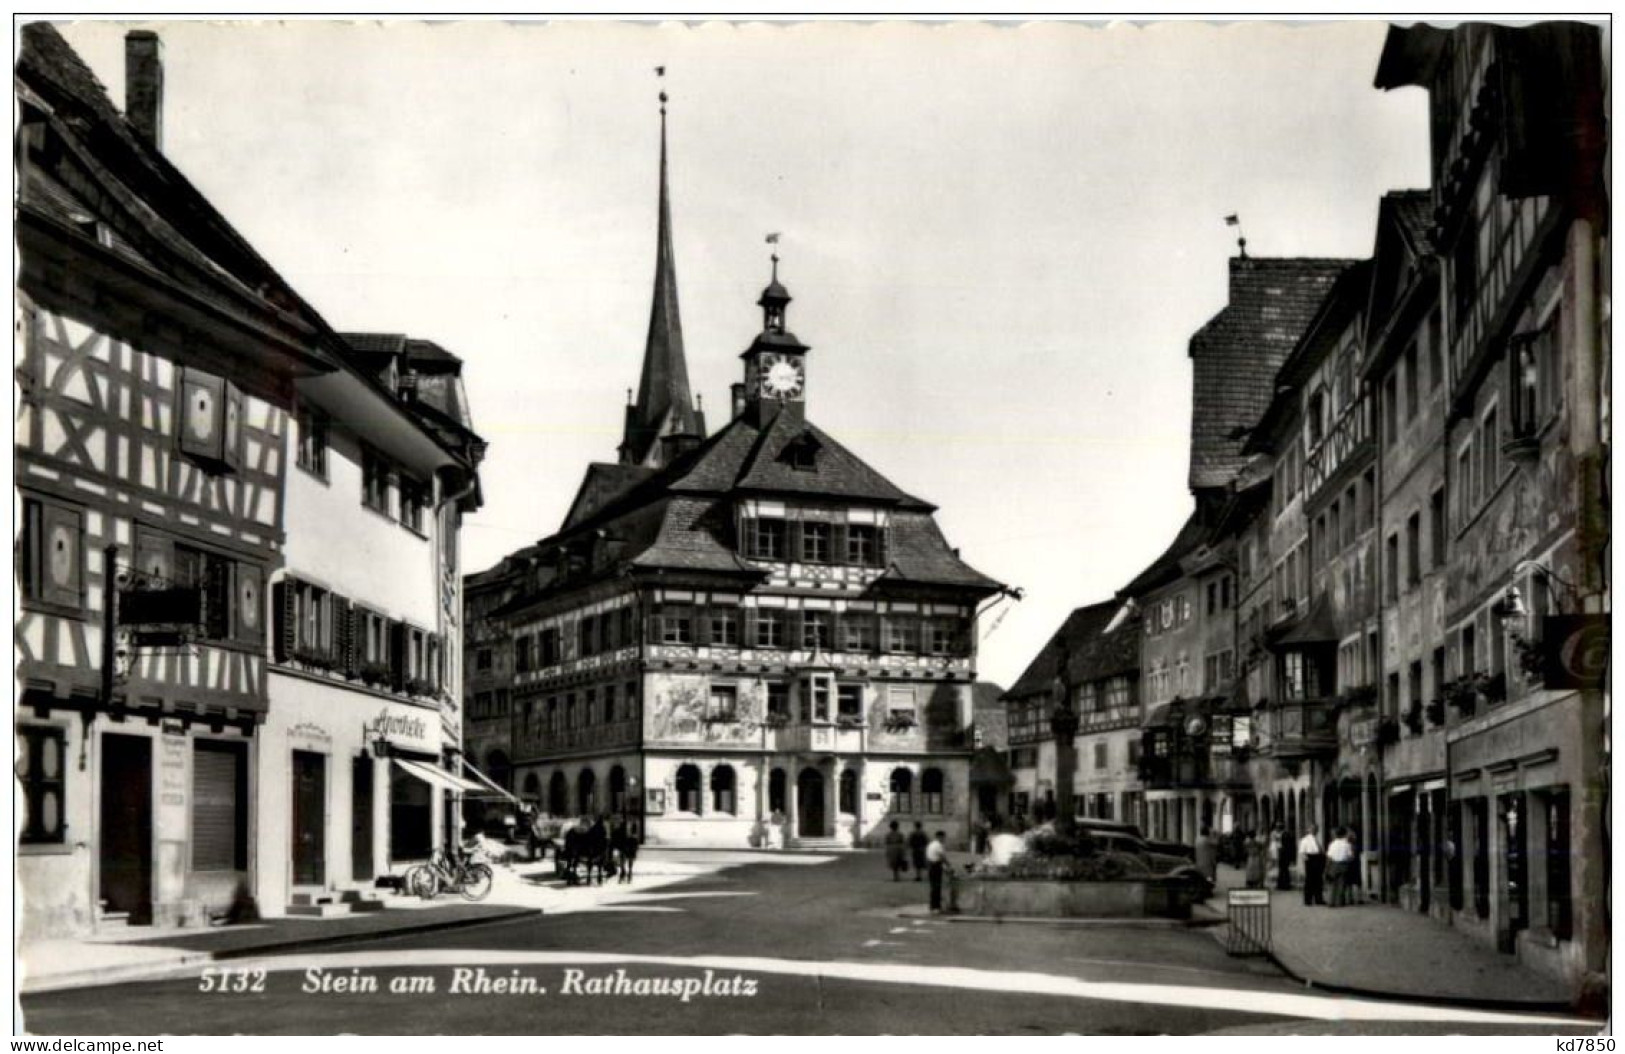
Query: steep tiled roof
pixel 1413 211
pixel 1165 568
pixel 679 518
pixel 1081 636
pixel 1235 356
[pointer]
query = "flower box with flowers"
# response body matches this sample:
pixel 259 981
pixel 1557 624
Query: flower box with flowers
pixel 775 719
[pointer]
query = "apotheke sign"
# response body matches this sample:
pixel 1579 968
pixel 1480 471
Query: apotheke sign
pixel 409 730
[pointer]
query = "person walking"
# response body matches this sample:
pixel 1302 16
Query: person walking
pixel 1252 851
pixel 1207 855
pixel 936 856
pixel 1314 868
pixel 1281 857
pixel 896 852
pixel 917 844
pixel 1340 863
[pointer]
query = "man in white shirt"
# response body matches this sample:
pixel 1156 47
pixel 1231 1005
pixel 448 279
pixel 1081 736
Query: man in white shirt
pixel 1313 856
pixel 936 859
pixel 1340 858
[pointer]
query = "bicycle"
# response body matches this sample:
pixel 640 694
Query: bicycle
pixel 445 873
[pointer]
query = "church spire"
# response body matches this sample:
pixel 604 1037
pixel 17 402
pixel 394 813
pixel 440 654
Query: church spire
pixel 663 420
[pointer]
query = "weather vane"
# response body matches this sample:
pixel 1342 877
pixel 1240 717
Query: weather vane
pixel 773 240
pixel 1234 220
pixel 660 71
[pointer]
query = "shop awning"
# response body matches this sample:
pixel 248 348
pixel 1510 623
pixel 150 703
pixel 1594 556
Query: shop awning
pixel 489 788
pixel 439 777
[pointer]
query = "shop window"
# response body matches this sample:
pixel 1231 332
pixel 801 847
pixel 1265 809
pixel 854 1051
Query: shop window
pixel 40 764
pixel 1559 850
pixel 932 786
pixel 688 789
pixel 902 791
pixel 722 790
pixel 411 830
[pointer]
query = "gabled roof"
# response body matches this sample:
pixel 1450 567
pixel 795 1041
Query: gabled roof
pixel 1404 267
pixel 1092 653
pixel 1236 354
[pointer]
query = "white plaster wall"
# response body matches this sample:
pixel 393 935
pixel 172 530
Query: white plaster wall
pixel 337 542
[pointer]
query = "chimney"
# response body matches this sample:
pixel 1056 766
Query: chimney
pixel 737 391
pixel 144 85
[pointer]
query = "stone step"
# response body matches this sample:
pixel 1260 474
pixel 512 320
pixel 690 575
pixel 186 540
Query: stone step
pixel 324 910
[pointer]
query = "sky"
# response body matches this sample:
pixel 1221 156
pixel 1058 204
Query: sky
pixel 999 238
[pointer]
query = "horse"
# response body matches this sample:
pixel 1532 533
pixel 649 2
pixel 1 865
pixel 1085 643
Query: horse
pixel 588 847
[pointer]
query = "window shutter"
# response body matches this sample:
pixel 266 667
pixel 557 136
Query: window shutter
pixel 792 630
pixel 233 438
pixel 397 654
pixel 837 544
pixel 748 630
pixel 792 542
pixel 247 585
pixel 702 625
pixel 652 626
pixel 343 635
pixel 201 424
pixel 287 618
pixel 62 556
pixel 882 546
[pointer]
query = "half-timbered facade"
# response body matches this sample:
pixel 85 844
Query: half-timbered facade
pixel 156 366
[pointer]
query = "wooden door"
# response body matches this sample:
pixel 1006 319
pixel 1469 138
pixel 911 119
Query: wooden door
pixel 126 826
pixel 810 804
pixel 361 808
pixel 309 818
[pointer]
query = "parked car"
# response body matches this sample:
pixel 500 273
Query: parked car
pixel 1125 840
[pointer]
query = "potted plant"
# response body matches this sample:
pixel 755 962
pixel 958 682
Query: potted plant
pixel 848 721
pixel 1387 732
pixel 1531 660
pixel 375 673
pixel 775 719
pixel 1463 692
pixel 901 721
pixel 1435 711
pixel 1494 689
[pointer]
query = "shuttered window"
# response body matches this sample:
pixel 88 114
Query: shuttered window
pixel 219 807
pixel 40 758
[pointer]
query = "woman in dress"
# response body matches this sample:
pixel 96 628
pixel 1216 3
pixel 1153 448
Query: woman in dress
pixel 896 852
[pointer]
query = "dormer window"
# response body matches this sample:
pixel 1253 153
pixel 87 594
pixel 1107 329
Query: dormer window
pixel 801 453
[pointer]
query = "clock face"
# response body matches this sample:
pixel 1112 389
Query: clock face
pixel 781 376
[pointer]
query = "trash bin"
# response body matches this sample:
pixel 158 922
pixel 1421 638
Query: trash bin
pixel 1248 932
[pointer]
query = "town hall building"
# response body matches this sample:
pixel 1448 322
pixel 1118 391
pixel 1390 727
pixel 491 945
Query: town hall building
pixel 742 638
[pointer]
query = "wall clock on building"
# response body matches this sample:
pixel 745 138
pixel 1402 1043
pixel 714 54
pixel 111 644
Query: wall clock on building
pixel 781 376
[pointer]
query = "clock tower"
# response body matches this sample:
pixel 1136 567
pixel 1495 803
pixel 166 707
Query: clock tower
pixel 775 362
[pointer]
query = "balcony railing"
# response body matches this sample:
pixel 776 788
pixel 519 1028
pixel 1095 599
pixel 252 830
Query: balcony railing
pixel 1302 728
pixel 1350 433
